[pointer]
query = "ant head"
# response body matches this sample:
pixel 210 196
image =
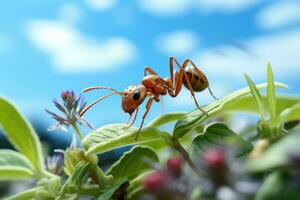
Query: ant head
pixel 132 97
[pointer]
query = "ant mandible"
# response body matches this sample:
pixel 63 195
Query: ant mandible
pixel 153 86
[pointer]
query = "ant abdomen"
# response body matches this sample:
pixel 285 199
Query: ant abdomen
pixel 197 79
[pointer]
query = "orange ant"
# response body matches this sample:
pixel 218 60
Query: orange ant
pixel 153 86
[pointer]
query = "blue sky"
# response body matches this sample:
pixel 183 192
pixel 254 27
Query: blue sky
pixel 52 45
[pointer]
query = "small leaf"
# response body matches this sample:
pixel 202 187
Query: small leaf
pixel 217 135
pixel 278 186
pixel 132 163
pixel 166 118
pixel 115 191
pixel 25 195
pixel 112 136
pixel 14 165
pixel 290 114
pixel 21 134
pixel 277 154
pixel 196 117
pixel 257 96
pixel 271 96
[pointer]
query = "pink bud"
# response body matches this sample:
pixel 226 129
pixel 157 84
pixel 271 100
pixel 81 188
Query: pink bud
pixel 214 158
pixel 65 95
pixel 154 181
pixel 174 165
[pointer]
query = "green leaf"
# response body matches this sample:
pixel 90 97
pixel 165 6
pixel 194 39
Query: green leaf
pixel 132 163
pixel 216 135
pixel 20 133
pixel 271 96
pixel 112 136
pixel 25 195
pixel 74 181
pixel 136 186
pixel 278 186
pixel 277 154
pixel 14 165
pixel 196 117
pixel 257 96
pixel 290 114
pixel 116 190
pixel 166 118
pixel 247 104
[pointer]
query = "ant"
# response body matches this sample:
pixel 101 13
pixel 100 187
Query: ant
pixel 153 86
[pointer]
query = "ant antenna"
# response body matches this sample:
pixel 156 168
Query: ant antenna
pixel 101 88
pixel 95 102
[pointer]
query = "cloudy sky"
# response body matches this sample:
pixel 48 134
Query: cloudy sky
pixel 52 45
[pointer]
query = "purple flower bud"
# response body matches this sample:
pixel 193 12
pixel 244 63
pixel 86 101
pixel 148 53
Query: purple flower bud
pixel 65 95
pixel 174 166
pixel 154 181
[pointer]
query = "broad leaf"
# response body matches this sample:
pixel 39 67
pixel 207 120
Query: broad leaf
pixel 20 133
pixel 216 135
pixel 258 98
pixel 115 191
pixel 25 195
pixel 14 165
pixel 166 118
pixel 277 154
pixel 132 163
pixel 278 186
pixel 290 114
pixel 194 118
pixel 112 136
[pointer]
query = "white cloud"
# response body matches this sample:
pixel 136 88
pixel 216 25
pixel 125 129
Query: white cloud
pixel 178 7
pixel 177 43
pixel 71 51
pixel 279 14
pixel 282 50
pixel 101 4
pixel 70 13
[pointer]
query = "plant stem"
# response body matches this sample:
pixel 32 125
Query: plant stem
pixel 185 155
pixel 79 134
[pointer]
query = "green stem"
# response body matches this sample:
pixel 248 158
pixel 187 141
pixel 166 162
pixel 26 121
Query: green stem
pixel 185 155
pixel 79 134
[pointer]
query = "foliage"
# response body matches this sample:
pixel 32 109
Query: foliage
pixel 211 157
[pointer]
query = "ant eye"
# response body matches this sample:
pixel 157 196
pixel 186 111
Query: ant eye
pixel 136 95
pixel 156 80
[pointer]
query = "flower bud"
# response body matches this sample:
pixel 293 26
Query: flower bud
pixel 154 181
pixel 214 158
pixel 174 166
pixel 65 95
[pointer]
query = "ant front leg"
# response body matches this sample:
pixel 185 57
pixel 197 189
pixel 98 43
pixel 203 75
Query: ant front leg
pixel 148 106
pixel 178 81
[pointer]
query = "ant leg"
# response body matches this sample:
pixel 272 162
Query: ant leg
pixel 179 81
pixel 136 113
pixel 200 73
pixel 149 70
pixel 190 86
pixel 148 106
pixel 211 93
